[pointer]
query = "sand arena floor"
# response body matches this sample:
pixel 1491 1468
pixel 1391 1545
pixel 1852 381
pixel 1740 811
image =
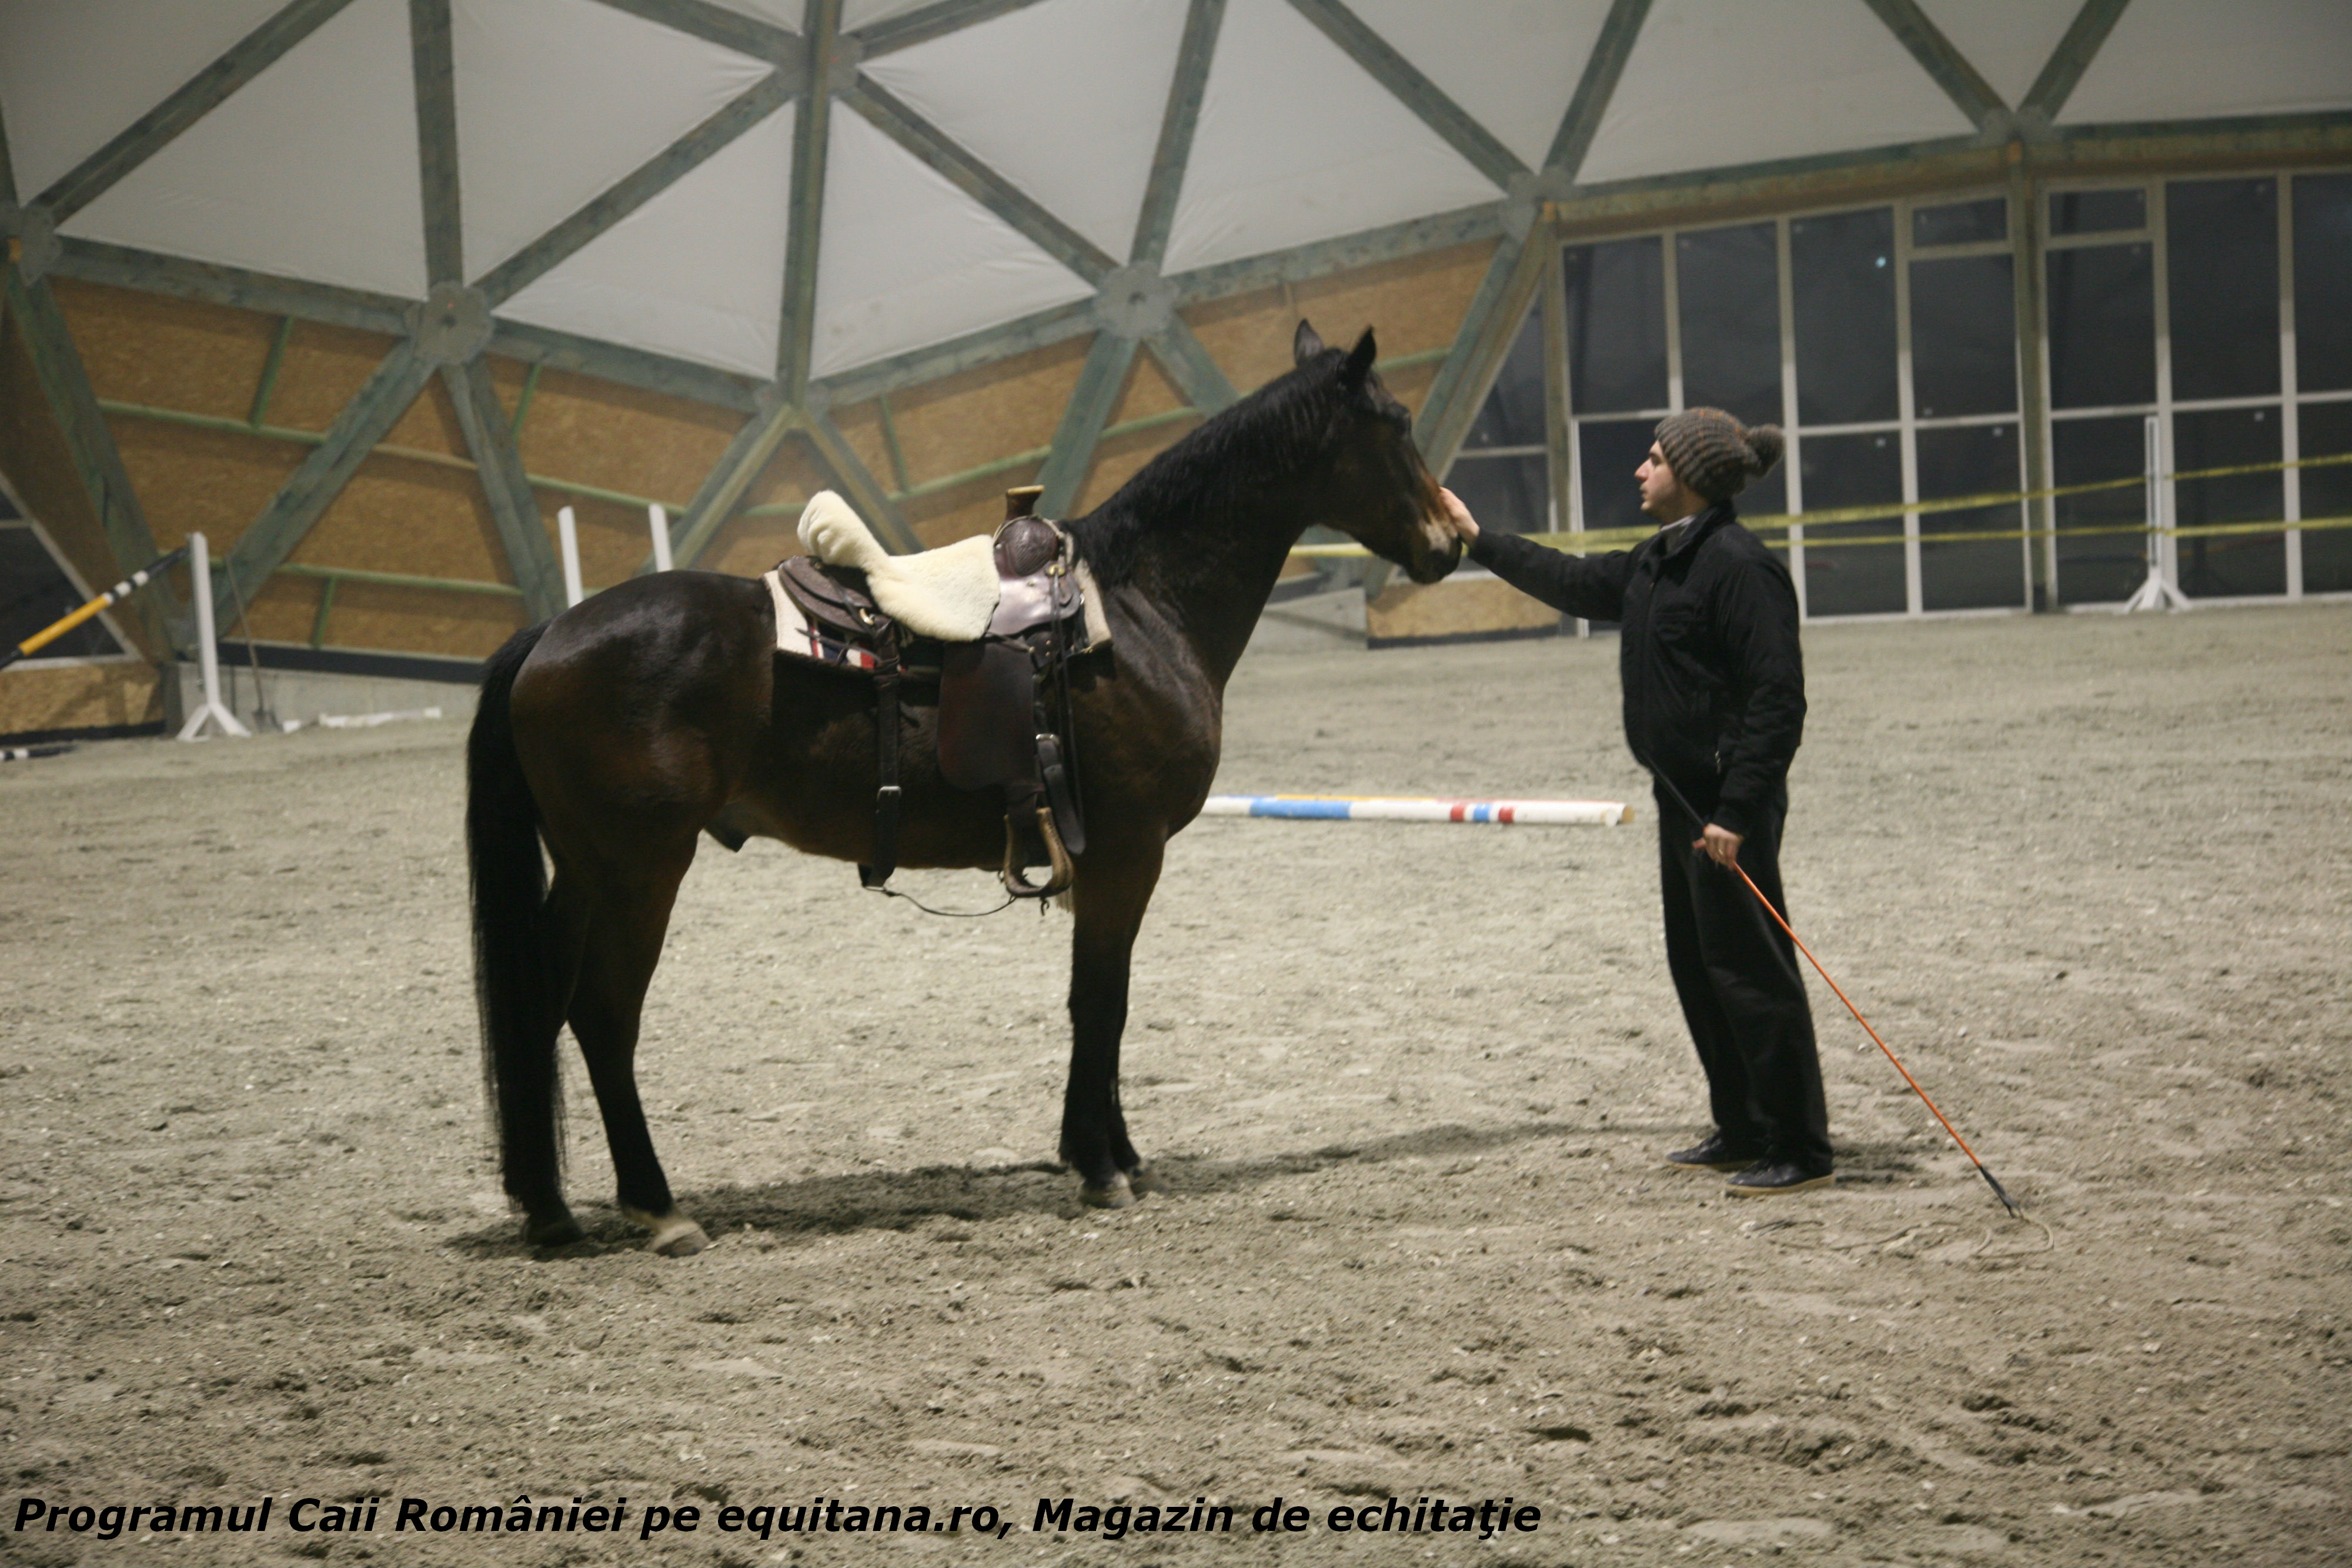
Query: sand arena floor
pixel 1410 1083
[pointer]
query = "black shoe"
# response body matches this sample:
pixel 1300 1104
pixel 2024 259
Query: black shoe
pixel 1713 1153
pixel 1770 1177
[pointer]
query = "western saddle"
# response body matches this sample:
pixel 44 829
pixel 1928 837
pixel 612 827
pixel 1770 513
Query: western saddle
pixel 1003 696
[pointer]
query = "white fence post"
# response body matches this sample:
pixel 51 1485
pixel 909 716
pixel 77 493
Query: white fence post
pixel 568 533
pixel 658 518
pixel 200 589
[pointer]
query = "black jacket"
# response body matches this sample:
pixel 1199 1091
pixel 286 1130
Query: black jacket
pixel 1715 685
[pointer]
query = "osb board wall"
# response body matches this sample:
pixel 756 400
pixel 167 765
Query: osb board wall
pixel 1467 607
pixel 39 465
pixel 416 506
pixel 35 698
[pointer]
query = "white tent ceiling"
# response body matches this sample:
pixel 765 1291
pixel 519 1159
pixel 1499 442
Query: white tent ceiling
pixel 310 169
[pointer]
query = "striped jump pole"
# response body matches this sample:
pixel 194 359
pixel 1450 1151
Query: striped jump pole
pixel 1418 809
pixel 119 592
pixel 27 753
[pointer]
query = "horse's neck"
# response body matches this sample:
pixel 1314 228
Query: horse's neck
pixel 1213 571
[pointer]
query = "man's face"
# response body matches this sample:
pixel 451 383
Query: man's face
pixel 1663 496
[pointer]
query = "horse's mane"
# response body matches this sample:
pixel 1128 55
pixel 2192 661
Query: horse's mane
pixel 1215 467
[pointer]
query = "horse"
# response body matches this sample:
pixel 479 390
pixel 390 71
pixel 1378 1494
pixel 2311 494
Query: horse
pixel 615 732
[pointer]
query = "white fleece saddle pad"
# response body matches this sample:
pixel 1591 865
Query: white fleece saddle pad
pixel 949 593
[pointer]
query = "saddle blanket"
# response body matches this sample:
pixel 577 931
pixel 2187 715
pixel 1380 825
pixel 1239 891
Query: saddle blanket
pixel 795 636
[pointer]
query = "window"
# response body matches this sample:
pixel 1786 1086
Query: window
pixel 1963 336
pixel 1842 269
pixel 2106 560
pixel 1501 473
pixel 1728 284
pixel 2097 212
pixel 2226 565
pixel 1970 573
pixel 2327 497
pixel 2103 327
pixel 2222 251
pixel 1886 340
pixel 2323 282
pixel 1962 223
pixel 1853 471
pixel 1616 326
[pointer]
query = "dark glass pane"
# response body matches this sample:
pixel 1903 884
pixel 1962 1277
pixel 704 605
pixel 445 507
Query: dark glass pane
pixel 2101 327
pixel 2096 212
pixel 1514 412
pixel 1842 269
pixel 1729 281
pixel 1853 471
pixel 1963 336
pixel 2326 431
pixel 35 593
pixel 1607 455
pixel 2323 282
pixel 2225 565
pixel 1616 325
pixel 1962 223
pixel 1509 495
pixel 2108 563
pixel 1965 573
pixel 2221 244
pixel 1766 498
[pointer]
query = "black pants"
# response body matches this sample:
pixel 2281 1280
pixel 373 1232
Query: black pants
pixel 1742 993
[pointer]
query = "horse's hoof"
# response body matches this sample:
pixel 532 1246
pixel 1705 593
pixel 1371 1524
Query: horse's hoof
pixel 675 1236
pixel 1116 1194
pixel 683 1239
pixel 1145 1179
pixel 562 1230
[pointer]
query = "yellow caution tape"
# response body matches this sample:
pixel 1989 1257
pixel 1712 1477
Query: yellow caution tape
pixel 1778 522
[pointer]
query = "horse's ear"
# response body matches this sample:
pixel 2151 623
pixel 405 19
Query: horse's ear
pixel 1304 344
pixel 1359 368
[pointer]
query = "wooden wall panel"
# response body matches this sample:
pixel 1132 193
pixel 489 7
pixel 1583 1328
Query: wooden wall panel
pixel 963 421
pixel 171 353
pixel 35 698
pixel 621 438
pixel 396 619
pixel 189 480
pixel 761 535
pixel 429 518
pixel 40 469
pixel 324 368
pixel 399 515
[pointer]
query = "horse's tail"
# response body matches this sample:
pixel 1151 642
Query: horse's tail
pixel 514 979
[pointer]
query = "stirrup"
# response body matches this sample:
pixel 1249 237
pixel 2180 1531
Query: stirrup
pixel 1057 880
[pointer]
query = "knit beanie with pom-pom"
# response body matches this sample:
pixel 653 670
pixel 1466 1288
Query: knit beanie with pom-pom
pixel 1716 455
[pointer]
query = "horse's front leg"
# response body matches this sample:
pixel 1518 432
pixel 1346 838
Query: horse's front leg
pixel 1113 888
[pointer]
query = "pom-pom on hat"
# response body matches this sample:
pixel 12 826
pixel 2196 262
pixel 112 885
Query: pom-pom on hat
pixel 1716 455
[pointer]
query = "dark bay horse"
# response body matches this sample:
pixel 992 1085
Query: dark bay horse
pixel 617 732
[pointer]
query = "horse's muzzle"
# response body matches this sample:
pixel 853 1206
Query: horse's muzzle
pixel 1436 550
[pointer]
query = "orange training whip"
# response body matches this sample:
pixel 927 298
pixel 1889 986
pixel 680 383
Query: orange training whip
pixel 1997 1190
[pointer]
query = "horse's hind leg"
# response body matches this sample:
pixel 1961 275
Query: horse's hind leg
pixel 525 1082
pixel 624 943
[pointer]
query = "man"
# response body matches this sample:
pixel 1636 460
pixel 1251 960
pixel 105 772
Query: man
pixel 1714 705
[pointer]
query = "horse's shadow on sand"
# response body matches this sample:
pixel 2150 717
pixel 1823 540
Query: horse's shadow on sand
pixel 786 1214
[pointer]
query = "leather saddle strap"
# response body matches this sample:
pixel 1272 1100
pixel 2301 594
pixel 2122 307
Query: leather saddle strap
pixel 886 756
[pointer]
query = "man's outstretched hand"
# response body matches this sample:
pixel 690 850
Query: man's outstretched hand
pixel 1459 516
